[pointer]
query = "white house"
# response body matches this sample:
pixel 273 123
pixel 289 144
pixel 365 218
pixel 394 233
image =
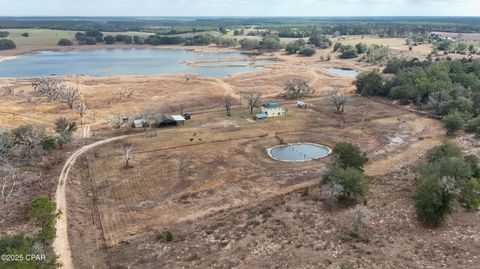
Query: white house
pixel 273 109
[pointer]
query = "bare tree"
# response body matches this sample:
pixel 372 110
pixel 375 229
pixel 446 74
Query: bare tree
pixel 253 99
pixel 337 99
pixel 125 92
pixel 127 155
pixel 358 216
pixel 8 91
pixel 69 95
pixel 8 190
pixel 331 194
pixel 80 107
pixel 145 115
pixel 115 120
pixel 47 87
pixel 297 88
pixel 227 104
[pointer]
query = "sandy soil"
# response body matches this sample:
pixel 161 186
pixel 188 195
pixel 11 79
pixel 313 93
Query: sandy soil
pixel 224 173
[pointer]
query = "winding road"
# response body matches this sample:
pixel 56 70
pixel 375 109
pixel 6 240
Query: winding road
pixel 61 245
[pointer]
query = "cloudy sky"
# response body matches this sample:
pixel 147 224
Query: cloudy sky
pixel 239 7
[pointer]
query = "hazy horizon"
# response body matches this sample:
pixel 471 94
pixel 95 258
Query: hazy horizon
pixel 240 8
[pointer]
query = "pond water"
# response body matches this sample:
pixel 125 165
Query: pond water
pixel 111 62
pixel 342 72
pixel 299 152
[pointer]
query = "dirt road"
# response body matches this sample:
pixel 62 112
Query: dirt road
pixel 61 245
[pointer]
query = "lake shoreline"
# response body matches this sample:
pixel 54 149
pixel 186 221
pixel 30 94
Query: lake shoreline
pixel 12 54
pixel 145 60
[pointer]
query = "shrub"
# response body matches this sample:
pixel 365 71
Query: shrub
pixel 271 43
pixel 337 46
pixel 349 155
pixel 453 122
pixel 65 42
pixel 446 150
pixel 470 195
pixel 44 213
pixel 6 44
pixel 348 52
pixel 307 51
pixel 168 236
pixel 402 93
pixel 473 160
pixel 361 48
pixel 321 42
pixel 4 34
pixel 295 46
pixel 473 126
pixel 434 200
pixel 461 104
pixel 331 194
pixel 249 44
pixel 351 180
pixel 48 143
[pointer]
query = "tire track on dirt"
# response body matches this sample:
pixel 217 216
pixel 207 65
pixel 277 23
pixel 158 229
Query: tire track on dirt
pixel 61 245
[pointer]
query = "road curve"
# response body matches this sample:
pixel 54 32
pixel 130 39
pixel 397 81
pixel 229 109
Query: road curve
pixel 61 245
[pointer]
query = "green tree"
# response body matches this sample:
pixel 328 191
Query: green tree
pixel 249 44
pixel 351 180
pixel 434 200
pixel 21 245
pixel 348 52
pixel 64 130
pixel 64 42
pixel 337 46
pixel 473 125
pixel 271 42
pixel 403 93
pixel 446 150
pixel 109 40
pixel 370 83
pixel 349 155
pixel 43 212
pixel 307 51
pixel 470 195
pixel 453 122
pixel 320 41
pixel 361 48
pixel 4 33
pixel 6 44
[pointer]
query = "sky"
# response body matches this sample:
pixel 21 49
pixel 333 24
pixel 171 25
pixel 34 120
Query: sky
pixel 239 7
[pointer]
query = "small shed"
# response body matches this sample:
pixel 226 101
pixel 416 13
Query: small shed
pixel 273 109
pixel 165 121
pixel 301 104
pixel 140 123
pixel 261 116
pixel 178 118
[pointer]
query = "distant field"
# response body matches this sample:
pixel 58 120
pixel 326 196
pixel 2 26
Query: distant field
pixel 39 38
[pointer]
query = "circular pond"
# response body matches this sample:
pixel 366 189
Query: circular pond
pixel 298 152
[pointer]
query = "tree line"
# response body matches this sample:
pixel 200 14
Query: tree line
pixel 449 89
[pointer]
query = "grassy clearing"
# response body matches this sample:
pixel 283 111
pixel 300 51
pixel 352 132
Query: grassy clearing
pixel 39 38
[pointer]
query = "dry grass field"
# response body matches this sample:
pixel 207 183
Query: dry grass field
pixel 212 184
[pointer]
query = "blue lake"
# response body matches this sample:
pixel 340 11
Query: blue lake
pixel 125 62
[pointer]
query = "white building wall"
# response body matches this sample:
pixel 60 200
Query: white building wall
pixel 273 112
